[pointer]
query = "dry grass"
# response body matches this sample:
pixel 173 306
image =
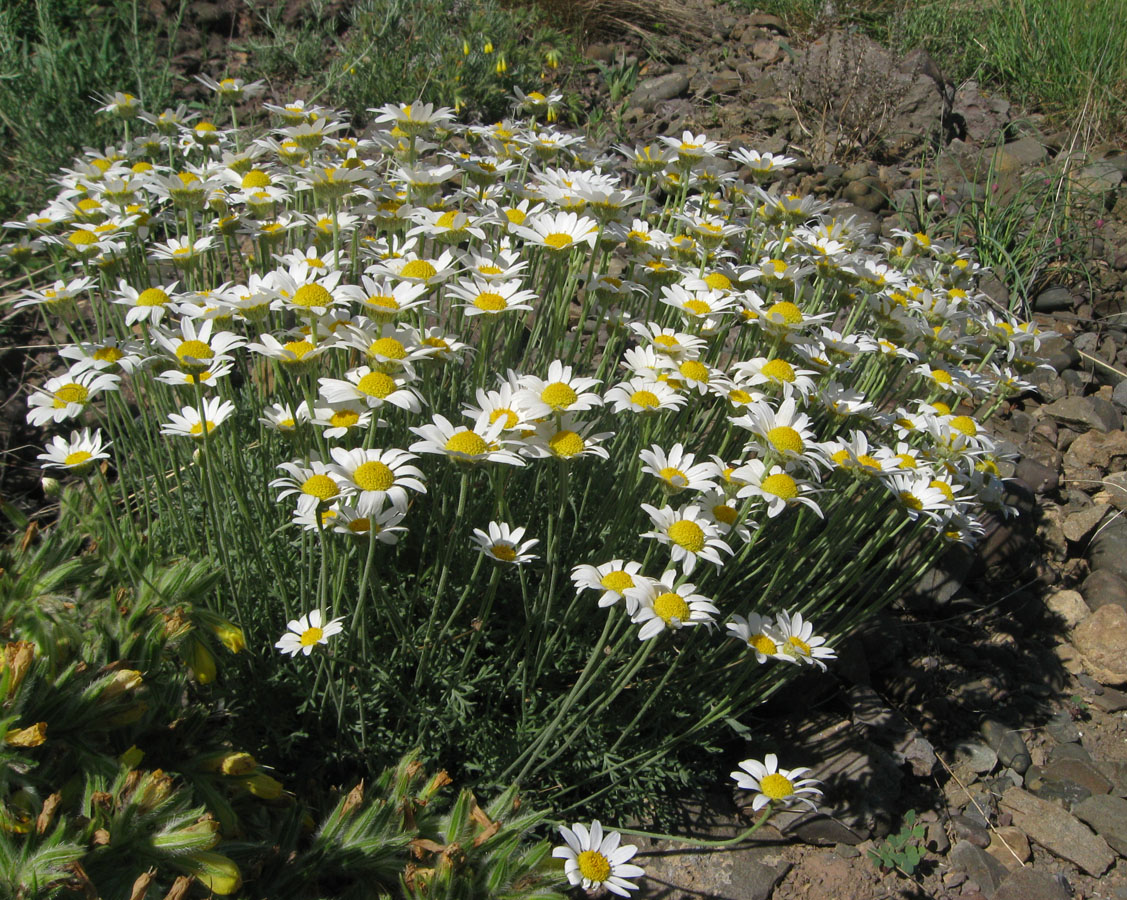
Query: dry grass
pixel 610 18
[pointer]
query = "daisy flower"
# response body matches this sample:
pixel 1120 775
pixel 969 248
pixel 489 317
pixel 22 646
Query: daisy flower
pixel 676 469
pixel 594 860
pixel 377 474
pixel 383 522
pixel 298 355
pixel 373 388
pixel 416 270
pixel 643 395
pixel 775 785
pixel 698 305
pixel 279 417
pixel 566 439
pixel 691 148
pixel 307 632
pixel 413 118
pixel 383 299
pixel 560 392
pixel 189 424
pixel 148 305
pixel 776 373
pixel 198 349
pixel 660 605
pixel 501 404
pixel 669 341
pixel 784 431
pixel 918 496
pixel 502 543
pixel 758 633
pixel 558 232
pixel 688 533
pixel 484 298
pixel 478 444
pixel 798 643
pixel 67 396
pixel 216 370
pixel 724 513
pixel 613 579
pixel 775 486
pixel 339 419
pixel 78 455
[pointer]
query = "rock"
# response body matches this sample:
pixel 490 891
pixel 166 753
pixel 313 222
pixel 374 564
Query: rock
pixel 1007 744
pixel 1041 479
pixel 1058 831
pixel 1079 525
pixel 1062 729
pixel 980 866
pixel 1102 587
pixel 1054 299
pixel 1083 413
pixel 936 840
pixel 1028 151
pixel 726 82
pixel 981 118
pixel 1078 771
pixel 1102 642
pixel 1068 751
pixel 650 92
pixel 1108 550
pixel 966 829
pixel 1119 394
pixel 868 193
pixel 1097 450
pixel 1009 846
pixel 1115 486
pixel 1069 607
pixel 975 756
pixel 741 875
pixel 942 581
pixel 1110 700
pixel 1107 815
pixel 1027 884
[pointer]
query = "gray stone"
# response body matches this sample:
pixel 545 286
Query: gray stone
pixel 984 115
pixel 966 829
pixel 1026 884
pixel 1102 587
pixel 1107 815
pixel 1009 846
pixel 664 87
pixel 1069 607
pixel 1058 831
pixel 726 82
pixel 1084 412
pixel 1008 744
pixel 979 865
pixel 1115 486
pixel 685 870
pixel 1028 151
pixel 1080 772
pixel 1079 525
pixel 976 756
pixel 1068 751
pixel 1119 395
pixel 867 193
pixel 1097 450
pixel 1054 299
pixel 1041 479
pixel 1062 729
pixel 1102 642
pixel 1110 700
pixel 1108 551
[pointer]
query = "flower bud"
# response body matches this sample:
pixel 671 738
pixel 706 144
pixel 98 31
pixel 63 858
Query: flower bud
pixel 238 764
pixel 231 636
pixel 264 787
pixel 215 871
pixel 51 486
pixel 201 662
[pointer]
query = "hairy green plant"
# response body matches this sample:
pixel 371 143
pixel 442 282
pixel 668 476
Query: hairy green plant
pixel 903 851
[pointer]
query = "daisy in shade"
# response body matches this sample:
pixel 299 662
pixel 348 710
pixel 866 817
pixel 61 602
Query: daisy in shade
pixel 478 444
pixel 668 341
pixel 643 395
pixel 775 785
pixel 593 860
pixel 307 632
pixel 503 543
pixel 758 633
pixel 678 470
pixel 560 392
pixel 66 396
pixel 376 475
pixel 724 513
pixel 614 579
pixel 688 533
pixel 384 522
pixel 205 377
pixel 189 424
pixel 660 605
pixel 798 643
pixel 79 455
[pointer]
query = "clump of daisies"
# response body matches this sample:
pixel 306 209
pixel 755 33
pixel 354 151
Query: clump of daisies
pixel 400 381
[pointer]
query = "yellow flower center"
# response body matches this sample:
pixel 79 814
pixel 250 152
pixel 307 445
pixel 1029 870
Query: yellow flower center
pixel 942 408
pixel 778 370
pixel 566 443
pixel 70 393
pixel 77 458
pixel 511 418
pixel 558 395
pixel 666 341
pixel 298 348
pixel 152 297
pixel 467 443
pixel 593 866
pixel 193 350
pixel 503 552
pixel 320 486
pixel 420 269
pixel 739 396
pixel 787 311
pixel 944 488
pixel 256 178
pixel 389 348
pixel 866 460
pixel 311 636
pixel 373 476
pixel 694 370
pixel 670 606
pixel 490 302
pixel 796 646
pixel 763 644
pixel 718 281
pixel 360 525
pixel 310 295
pixel 617 581
pixel 108 354
pixel 557 240
pixel 906 460
pixel 940 376
pixel 674 477
pixel 910 500
pixel 776 786
pixel 687 534
pixel 724 513
pixel 490 270
pixel 197 429
pixel 644 399
pixel 785 439
pixel 344 418
pixel 781 485
pixel 376 384
pixel 698 307
pixel 83 238
pixel 965 425
pixel 448 218
pixel 383 301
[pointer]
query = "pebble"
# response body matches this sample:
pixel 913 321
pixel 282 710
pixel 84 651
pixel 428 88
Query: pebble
pixel 1110 700
pixel 1058 831
pixel 1009 846
pixel 1079 772
pixel 1102 642
pixel 966 829
pixel 977 756
pixel 1069 607
pixel 1062 729
pixel 980 866
pixel 1027 884
pixel 1007 743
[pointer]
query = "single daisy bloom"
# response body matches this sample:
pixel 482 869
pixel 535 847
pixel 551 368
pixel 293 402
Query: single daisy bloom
pixel 279 417
pixel 678 470
pixel 384 523
pixel 559 232
pixel 339 419
pixel 189 424
pixel 298 355
pixel 385 299
pixel 566 439
pixel 613 579
pixel 374 475
pixel 478 444
pixel 777 487
pixel 798 643
pixel 689 534
pixel 486 298
pixel 775 785
pixel 668 341
pixel 758 633
pixel 149 304
pixel 307 632
pixel 593 860
pixel 560 392
pixel 503 404
pixel 784 431
pixel 776 373
pixel 319 482
pixel 918 496
pixel 196 349
pixel 660 605
pixel 67 396
pixel 78 455
pixel 503 543
pixel 373 388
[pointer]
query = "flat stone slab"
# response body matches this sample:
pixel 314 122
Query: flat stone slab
pixel 1058 831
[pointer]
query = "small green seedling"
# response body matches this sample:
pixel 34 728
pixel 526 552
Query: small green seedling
pixel 904 850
